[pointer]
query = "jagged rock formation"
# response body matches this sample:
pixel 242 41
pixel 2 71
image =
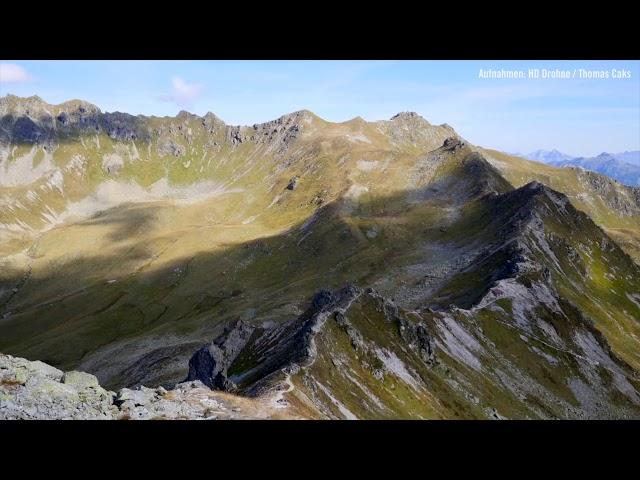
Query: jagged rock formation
pixel 624 201
pixel 35 390
pixel 287 347
pixel 211 362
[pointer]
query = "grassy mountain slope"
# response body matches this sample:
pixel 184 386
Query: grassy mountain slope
pixel 613 206
pixel 128 242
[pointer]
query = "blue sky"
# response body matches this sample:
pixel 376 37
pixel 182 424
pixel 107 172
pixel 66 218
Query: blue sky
pixel 576 116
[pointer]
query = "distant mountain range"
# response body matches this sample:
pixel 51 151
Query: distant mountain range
pixel 624 167
pixel 629 157
pixel 547 156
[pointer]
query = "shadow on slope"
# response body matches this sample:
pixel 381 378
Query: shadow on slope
pixel 142 326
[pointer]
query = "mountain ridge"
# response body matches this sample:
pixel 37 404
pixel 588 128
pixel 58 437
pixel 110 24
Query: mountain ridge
pixel 23 105
pixel 479 285
pixel 607 164
pixel 233 363
pixel 623 167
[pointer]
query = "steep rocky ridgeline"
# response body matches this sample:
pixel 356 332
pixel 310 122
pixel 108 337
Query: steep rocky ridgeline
pixel 509 336
pixel 475 288
pixel 613 206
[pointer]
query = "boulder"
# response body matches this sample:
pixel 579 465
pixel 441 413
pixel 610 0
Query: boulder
pixel 45 370
pixel 293 183
pixel 138 397
pixel 80 379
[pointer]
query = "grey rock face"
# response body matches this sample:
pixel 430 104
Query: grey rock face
pixel 25 130
pixel 210 363
pixel 45 370
pixel 417 336
pixel 253 361
pixel 171 148
pixel 212 123
pixel 405 115
pixel 624 200
pixel 138 397
pixel 293 183
pixel 120 126
pixel 242 347
pixel 35 390
pixel 29 120
pixel 280 133
pixel 235 136
pixel 80 379
pixel 453 144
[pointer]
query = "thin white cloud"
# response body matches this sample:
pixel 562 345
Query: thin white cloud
pixel 182 92
pixel 12 73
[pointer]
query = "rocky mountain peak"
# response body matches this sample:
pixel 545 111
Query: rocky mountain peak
pixel 78 106
pixel 183 114
pixel 536 189
pixel 36 108
pixel 298 117
pixel 212 118
pixel 293 119
pixel 536 198
pixel 407 116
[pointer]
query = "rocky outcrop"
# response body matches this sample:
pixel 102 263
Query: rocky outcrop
pixel 37 391
pixel 121 126
pixel 212 123
pixel 453 144
pixel 171 148
pixel 279 134
pixel 252 361
pixel 293 183
pixel 242 356
pixel 112 163
pixel 406 116
pixel 624 200
pixel 210 364
pixel 33 121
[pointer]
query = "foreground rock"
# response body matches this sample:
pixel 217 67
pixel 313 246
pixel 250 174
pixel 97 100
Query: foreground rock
pixel 35 390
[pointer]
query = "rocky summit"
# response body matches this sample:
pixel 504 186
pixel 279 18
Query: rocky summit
pixel 183 268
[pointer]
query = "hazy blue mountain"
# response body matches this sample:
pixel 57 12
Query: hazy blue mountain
pixel 624 166
pixel 607 164
pixel 629 157
pixel 547 156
